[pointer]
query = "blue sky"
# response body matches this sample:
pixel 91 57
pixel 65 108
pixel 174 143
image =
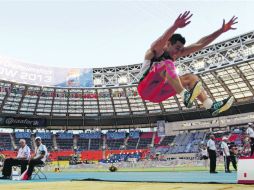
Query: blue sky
pixel 105 33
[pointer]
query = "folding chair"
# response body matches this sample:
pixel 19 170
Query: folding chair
pixel 38 172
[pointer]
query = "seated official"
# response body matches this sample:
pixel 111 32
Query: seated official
pixel 21 160
pixel 38 159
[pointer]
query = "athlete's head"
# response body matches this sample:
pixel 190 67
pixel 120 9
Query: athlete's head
pixel 175 43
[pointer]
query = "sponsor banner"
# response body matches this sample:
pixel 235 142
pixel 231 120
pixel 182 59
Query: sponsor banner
pixel 16 71
pixel 65 135
pixel 23 135
pixel 116 135
pixel 45 135
pixel 22 122
pixel 161 128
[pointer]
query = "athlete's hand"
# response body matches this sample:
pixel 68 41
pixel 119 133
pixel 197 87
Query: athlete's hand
pixel 183 19
pixel 228 26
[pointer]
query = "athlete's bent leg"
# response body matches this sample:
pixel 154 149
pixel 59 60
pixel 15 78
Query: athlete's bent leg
pixel 189 80
pixel 173 79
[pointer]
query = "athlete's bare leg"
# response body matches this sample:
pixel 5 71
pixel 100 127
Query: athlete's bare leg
pixel 188 81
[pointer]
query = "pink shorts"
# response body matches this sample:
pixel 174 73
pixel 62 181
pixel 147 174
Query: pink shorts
pixel 155 87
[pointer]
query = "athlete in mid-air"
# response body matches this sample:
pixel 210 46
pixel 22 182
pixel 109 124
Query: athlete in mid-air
pixel 159 79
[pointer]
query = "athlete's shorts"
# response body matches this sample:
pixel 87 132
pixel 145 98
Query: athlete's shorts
pixel 154 86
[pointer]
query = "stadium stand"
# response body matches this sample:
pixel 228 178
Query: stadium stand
pixel 89 140
pixel 96 144
pixel 145 140
pixel 187 143
pixel 132 140
pixel 132 143
pixel 83 144
pixel 90 145
pixel 167 140
pixel 5 143
pixel 64 141
pixel 115 140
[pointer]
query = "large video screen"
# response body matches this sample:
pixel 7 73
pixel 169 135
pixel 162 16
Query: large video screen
pixel 16 71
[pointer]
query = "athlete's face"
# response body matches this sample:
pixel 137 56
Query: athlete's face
pixel 175 48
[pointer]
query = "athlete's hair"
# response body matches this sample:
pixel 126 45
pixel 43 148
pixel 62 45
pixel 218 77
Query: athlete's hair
pixel 177 37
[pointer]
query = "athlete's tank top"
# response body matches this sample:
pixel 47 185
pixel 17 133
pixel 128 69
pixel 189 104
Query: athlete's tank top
pixel 149 63
pixel 163 57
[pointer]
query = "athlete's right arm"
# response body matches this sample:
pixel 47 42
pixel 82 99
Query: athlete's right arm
pixel 157 46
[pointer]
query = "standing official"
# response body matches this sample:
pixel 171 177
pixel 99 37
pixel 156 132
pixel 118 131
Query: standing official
pixel 250 133
pixel 204 156
pixel 211 149
pixel 233 154
pixel 226 154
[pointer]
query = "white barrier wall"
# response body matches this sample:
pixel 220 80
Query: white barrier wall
pixel 224 121
pixel 245 173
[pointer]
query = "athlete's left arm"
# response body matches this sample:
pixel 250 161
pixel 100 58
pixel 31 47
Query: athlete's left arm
pixel 208 39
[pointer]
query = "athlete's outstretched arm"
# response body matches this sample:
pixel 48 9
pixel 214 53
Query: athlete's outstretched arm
pixel 181 21
pixel 208 39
